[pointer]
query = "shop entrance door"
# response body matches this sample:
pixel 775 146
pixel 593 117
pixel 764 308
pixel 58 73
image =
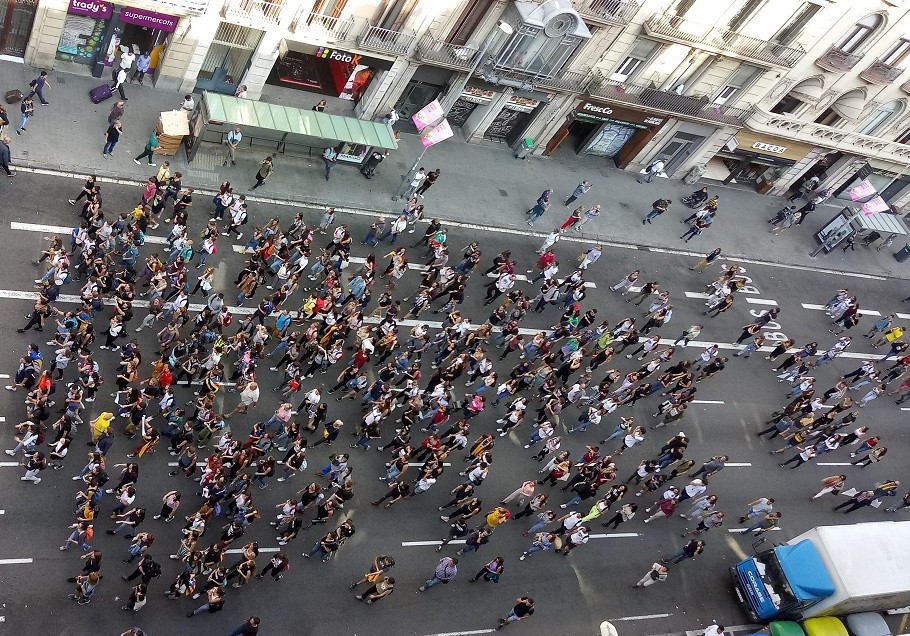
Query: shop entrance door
pixel 227 59
pixel 16 18
pixel 507 122
pixel 677 150
pixel 416 96
pixel 608 140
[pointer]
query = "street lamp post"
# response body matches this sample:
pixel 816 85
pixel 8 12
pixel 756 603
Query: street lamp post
pixel 456 90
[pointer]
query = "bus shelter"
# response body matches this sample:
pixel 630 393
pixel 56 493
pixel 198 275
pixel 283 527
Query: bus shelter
pixel 284 129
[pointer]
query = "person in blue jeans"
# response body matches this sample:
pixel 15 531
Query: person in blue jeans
pixel 38 85
pixel 689 551
pixel 27 108
pixel 445 572
pixel 250 627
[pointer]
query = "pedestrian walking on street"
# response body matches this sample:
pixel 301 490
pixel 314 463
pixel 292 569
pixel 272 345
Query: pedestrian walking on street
pixel 706 261
pixel 231 142
pixel 574 218
pixel 264 172
pixel 38 85
pixel 27 109
pixel 151 146
pixel 524 608
pixel 658 572
pixel 5 156
pixel 689 551
pixel 537 211
pixel 445 572
pixel 857 501
pixel 329 158
pixel 654 168
pixel 580 190
pixel 416 181
pixel 657 208
pixel 250 627
pixel 120 78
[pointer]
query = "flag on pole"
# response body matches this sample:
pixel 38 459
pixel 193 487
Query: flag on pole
pixel 432 135
pixel 429 115
pixel 861 190
pixel 874 205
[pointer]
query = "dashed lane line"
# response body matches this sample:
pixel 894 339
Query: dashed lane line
pixel 612 535
pixel 15 561
pixel 833 464
pixel 738 464
pixel 865 312
pixel 641 617
pixel 761 301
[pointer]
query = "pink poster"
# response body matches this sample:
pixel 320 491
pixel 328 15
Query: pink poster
pixel 875 205
pixel 434 134
pixel 861 190
pixel 428 115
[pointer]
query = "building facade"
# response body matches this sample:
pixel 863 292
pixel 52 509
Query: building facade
pixel 761 91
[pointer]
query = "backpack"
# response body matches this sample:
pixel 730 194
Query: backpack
pixel 89 533
pixel 154 570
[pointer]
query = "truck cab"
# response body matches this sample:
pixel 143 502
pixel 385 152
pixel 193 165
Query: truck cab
pixel 782 582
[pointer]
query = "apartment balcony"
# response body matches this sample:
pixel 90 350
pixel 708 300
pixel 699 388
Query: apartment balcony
pixel 386 40
pixel 671 28
pixel 255 13
pixel 323 28
pixel 195 7
pixel 881 73
pixel 435 51
pixel 654 100
pixel 606 12
pixel 567 82
pixel 762 121
pixel 837 61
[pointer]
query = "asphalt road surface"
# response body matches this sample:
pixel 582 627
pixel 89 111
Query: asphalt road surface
pixel 573 594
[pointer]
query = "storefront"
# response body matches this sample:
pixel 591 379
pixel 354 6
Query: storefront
pixel 605 130
pixel 16 19
pixel 94 29
pixel 757 159
pixel 427 83
pixel 467 103
pixel 512 120
pixel 324 70
pixel 886 182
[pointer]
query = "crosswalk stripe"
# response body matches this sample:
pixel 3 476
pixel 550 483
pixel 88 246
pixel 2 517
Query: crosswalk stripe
pixel 865 312
pixel 700 295
pixel 62 229
pixel 761 301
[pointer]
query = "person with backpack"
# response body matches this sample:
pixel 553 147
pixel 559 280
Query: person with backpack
pixel 277 565
pixel 38 85
pixel 655 167
pixel 148 568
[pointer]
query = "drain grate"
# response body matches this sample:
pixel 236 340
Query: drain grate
pixel 503 193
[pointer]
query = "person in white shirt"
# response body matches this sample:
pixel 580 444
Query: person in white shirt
pixel 119 78
pixel 127 57
pixel 551 239
pixel 416 181
pixel 188 103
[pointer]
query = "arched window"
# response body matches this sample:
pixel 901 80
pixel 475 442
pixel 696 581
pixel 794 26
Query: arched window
pixel 860 33
pixel 877 121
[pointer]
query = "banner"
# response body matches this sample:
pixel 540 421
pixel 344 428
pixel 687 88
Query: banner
pixel 874 205
pixel 861 190
pixel 428 115
pixel 432 135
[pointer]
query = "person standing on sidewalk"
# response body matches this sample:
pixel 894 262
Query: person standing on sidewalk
pixel 116 112
pixel 5 156
pixel 150 147
pixel 580 190
pixel 416 181
pixel 38 85
pixel 111 137
pixel 654 168
pixel 329 158
pixel 524 608
pixel 537 211
pixel 27 108
pixel 143 63
pixel 232 140
pixel 589 215
pixel 428 183
pixel 265 171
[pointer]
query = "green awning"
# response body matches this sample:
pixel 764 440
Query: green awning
pixel 252 114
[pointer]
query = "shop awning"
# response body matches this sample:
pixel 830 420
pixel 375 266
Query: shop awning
pixel 808 90
pixel 883 223
pixel 309 123
pixel 850 105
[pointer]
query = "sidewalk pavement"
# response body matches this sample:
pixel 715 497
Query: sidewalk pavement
pixel 480 184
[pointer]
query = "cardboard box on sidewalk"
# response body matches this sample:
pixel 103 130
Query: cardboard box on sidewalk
pixel 171 128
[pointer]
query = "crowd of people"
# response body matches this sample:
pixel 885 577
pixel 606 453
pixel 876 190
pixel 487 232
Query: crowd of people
pixel 187 404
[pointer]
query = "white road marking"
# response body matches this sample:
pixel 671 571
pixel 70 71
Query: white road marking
pixel 4 376
pixel 761 301
pixel 613 535
pixel 199 464
pixel 15 561
pixel 468 633
pixel 642 617
pixel 903 316
pixel 62 229
pixel 422 463
pixel 2 512
pixel 707 402
pixel 833 464
pixel 240 550
pixel 745 530
pixel 865 312
pixel 738 464
pixel 9 464
pixel 697 295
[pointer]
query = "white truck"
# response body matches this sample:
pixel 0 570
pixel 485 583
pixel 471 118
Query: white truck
pixel 828 571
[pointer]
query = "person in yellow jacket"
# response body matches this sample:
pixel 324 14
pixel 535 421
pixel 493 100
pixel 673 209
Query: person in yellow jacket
pixel 101 424
pixel 497 516
pixel 889 336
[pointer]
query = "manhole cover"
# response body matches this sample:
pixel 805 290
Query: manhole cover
pixel 503 193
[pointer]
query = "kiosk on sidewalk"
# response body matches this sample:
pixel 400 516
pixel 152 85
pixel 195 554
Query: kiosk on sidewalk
pixel 285 130
pixel 852 221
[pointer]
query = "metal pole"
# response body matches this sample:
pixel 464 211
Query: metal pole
pixel 457 90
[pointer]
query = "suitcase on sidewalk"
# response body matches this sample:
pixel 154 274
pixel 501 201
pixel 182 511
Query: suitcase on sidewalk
pixel 13 96
pixel 100 93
